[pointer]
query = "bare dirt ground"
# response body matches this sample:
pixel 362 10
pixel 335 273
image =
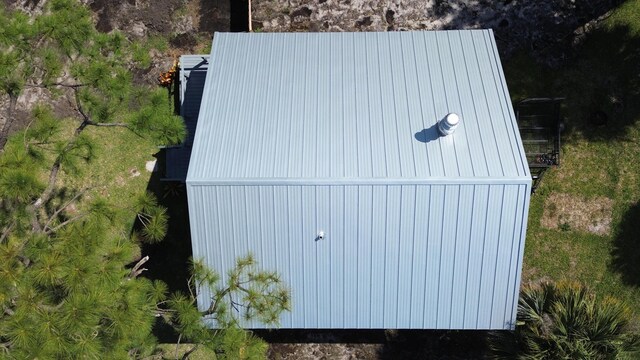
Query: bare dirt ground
pixel 183 21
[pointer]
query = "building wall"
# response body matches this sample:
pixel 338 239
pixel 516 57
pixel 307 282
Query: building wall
pixel 399 256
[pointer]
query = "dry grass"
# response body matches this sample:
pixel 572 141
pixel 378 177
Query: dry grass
pixel 570 212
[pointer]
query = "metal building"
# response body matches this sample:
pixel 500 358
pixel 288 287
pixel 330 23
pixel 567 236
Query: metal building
pixel 321 154
pixel 193 72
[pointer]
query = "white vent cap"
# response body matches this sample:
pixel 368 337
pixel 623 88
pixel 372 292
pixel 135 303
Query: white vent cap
pixel 449 124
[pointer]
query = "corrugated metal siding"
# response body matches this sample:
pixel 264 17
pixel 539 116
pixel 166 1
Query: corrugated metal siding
pixel 355 106
pixel 411 256
pixel 193 72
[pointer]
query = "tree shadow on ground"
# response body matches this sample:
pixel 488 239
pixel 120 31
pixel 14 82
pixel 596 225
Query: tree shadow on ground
pixel 626 247
pixel 434 344
pixel 214 15
pixel 602 84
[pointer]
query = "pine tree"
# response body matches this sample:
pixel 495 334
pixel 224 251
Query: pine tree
pixel 69 284
pixel 250 294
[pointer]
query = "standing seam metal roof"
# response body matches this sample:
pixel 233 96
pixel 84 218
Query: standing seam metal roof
pixel 355 108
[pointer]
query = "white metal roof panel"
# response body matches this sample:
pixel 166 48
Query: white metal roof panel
pixel 359 108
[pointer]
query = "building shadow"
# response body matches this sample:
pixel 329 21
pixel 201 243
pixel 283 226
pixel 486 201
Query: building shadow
pixel 214 15
pixel 380 344
pixel 223 15
pixel 600 82
pixel 239 15
pixel 626 247
pixel 541 28
pixel 169 259
pixel 434 344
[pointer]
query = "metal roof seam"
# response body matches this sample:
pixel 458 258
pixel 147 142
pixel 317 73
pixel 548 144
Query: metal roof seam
pixel 459 106
pixel 492 86
pixel 405 104
pixel 501 96
pixel 466 278
pixel 495 267
pixel 420 99
pixel 476 126
pixel 455 237
pixel 484 243
pixel 488 110
pixel 394 105
pixel 514 126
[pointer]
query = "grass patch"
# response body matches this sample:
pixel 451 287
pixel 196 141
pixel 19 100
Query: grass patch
pixel 597 161
pixel 173 351
pixel 116 174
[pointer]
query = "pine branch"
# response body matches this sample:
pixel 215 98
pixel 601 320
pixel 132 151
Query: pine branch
pixel 53 174
pixel 190 286
pixel 51 308
pixel 55 214
pixel 55 84
pixel 85 117
pixel 24 134
pixel 87 120
pixel 63 224
pixel 214 306
pixel 4 132
pixel 178 344
pixel 7 231
pixel 189 352
pixel 137 270
pixel 108 124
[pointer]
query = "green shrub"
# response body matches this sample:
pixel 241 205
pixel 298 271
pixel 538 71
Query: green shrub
pixel 565 321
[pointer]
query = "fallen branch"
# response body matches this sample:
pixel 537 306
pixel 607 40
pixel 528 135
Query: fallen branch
pixel 108 124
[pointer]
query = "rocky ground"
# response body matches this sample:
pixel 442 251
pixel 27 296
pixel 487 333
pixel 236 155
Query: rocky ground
pixel 541 27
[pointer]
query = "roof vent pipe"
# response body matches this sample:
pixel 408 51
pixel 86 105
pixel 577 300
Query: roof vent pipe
pixel 449 124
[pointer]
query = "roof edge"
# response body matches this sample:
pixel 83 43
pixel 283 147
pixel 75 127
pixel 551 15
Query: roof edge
pixel 524 180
